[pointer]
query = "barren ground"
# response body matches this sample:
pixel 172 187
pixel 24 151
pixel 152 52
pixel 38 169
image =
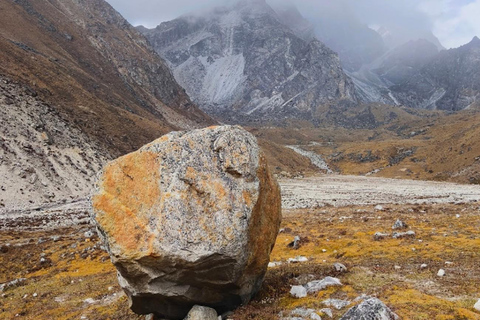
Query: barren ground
pixel 68 275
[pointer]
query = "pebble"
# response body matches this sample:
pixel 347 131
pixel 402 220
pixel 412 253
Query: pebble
pixel 399 224
pixel 397 267
pixel 380 236
pixel 336 303
pixel 298 291
pixel 317 285
pixel 35 295
pixel 477 305
pixel 400 235
pixel 274 264
pixel 298 259
pixel 441 273
pixel 379 208
pixel 423 266
pixel 339 267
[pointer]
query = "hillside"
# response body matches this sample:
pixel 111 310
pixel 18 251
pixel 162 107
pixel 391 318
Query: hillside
pixel 79 85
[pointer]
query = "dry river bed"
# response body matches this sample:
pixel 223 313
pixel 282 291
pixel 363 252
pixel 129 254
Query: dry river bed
pixel 62 271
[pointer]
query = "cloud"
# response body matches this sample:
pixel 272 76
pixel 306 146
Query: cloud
pixel 455 22
pixel 458 25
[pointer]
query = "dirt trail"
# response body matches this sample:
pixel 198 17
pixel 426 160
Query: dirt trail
pixel 340 191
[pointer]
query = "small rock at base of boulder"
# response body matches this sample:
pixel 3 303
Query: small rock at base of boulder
pixel 441 273
pixel 202 313
pixel 371 308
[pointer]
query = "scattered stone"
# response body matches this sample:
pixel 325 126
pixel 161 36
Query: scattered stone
pixel 190 218
pixel 441 273
pixel 274 264
pixel 41 240
pixel 302 312
pixel 397 268
pixel 298 259
pixel 380 236
pixel 295 244
pixel 339 267
pixel 448 263
pixel 202 313
pixel 11 284
pixel 336 303
pixel 379 208
pixel 318 285
pixel 477 305
pixel 399 224
pixel 56 238
pixel 35 295
pixel 298 292
pixel 327 311
pixel 371 308
pixel 89 301
pixel 401 235
pixel 315 316
pixel 424 266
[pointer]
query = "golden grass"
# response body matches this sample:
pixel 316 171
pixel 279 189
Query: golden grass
pixel 412 292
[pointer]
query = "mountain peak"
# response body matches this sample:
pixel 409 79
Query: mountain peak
pixel 475 43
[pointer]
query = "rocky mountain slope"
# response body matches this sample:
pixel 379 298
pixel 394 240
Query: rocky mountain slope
pixel 374 80
pixel 79 85
pixel 450 81
pixel 240 61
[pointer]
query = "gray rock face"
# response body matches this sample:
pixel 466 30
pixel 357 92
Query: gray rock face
pixel 241 61
pixel 450 81
pixel 370 309
pixel 190 218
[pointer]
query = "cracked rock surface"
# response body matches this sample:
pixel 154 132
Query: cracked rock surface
pixel 190 218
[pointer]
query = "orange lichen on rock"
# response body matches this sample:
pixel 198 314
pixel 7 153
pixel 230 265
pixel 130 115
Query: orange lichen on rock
pixel 129 193
pixel 188 213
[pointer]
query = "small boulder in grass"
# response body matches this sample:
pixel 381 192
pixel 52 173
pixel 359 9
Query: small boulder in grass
pixel 190 219
pixel 370 309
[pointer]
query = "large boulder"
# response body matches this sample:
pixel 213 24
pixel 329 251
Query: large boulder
pixel 189 219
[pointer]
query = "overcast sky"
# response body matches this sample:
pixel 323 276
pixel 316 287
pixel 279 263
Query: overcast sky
pixel 454 22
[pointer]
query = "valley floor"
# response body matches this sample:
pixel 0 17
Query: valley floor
pixel 67 275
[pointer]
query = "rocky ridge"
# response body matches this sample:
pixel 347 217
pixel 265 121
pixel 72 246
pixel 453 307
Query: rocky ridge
pixel 450 81
pixel 241 61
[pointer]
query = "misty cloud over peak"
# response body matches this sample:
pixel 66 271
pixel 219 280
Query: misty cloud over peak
pixel 454 22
